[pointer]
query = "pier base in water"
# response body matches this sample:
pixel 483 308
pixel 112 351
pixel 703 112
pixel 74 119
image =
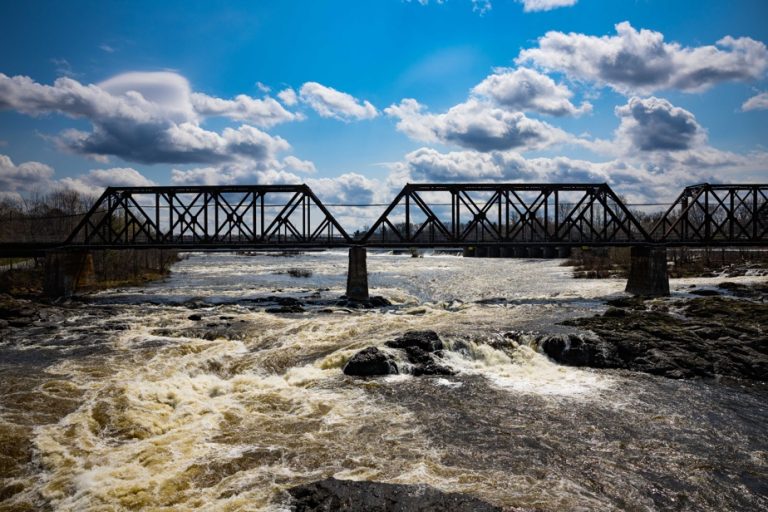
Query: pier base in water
pixel 357 274
pixel 648 272
pixel 65 272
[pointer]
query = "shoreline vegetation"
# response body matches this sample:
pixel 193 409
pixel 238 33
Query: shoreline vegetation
pixel 613 262
pixel 51 218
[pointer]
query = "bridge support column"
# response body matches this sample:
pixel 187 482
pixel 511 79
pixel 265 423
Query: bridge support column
pixel 507 252
pixel 519 252
pixel 648 272
pixel 534 251
pixel 494 252
pixel 357 274
pixel 65 272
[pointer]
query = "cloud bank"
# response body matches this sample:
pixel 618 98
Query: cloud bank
pixel 640 61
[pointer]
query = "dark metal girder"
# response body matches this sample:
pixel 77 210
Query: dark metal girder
pixel 481 214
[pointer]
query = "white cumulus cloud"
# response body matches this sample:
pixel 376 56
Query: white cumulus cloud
pixel 149 118
pixel 528 90
pixel 329 102
pixel 475 124
pixel 757 102
pixel 641 61
pixel 545 5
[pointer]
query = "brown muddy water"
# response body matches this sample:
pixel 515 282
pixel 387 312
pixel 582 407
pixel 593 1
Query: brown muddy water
pixel 123 402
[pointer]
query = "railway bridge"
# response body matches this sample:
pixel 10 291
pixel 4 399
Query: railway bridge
pixel 484 220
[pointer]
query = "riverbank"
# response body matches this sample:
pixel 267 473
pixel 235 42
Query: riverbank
pixel 110 270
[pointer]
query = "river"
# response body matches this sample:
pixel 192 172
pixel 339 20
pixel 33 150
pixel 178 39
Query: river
pixel 129 403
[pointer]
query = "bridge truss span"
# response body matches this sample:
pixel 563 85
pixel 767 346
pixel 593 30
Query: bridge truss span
pixel 204 217
pixel 715 215
pixel 508 214
pixel 459 215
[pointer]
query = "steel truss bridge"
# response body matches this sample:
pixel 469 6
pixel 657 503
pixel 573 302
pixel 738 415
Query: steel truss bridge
pixel 273 217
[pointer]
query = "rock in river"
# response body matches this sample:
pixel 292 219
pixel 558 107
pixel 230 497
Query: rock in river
pixel 427 341
pixel 714 336
pixel 370 362
pixel 362 496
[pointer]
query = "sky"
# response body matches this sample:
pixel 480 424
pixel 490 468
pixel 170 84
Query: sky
pixel 358 98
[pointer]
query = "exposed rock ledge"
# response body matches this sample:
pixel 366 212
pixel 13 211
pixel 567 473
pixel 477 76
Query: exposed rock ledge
pixel 702 337
pixel 350 495
pixel 422 349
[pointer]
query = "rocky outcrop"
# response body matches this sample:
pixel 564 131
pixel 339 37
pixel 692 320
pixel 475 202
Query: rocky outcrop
pixel 285 309
pixel 371 362
pixel 374 302
pixel 362 496
pixel 422 348
pixel 712 336
pixel 427 341
pixel 424 363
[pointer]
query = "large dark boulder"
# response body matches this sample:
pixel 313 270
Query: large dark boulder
pixel 427 341
pixel 370 362
pixel 353 496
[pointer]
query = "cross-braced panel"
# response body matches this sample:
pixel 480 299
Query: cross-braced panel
pixel 477 214
pixel 218 217
pixel 716 215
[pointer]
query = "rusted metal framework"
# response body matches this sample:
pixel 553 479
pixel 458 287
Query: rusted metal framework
pixel 220 217
pixel 715 215
pixel 506 214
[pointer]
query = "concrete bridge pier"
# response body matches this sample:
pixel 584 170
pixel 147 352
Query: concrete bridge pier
pixel 65 272
pixel 357 274
pixel 648 272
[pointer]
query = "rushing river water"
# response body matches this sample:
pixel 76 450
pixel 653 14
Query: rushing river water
pixel 130 404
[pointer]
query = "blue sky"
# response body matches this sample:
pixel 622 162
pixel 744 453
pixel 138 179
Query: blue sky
pixel 647 95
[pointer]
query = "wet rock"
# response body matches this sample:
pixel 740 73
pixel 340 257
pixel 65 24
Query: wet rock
pixel 375 301
pixel 756 292
pixel 424 363
pixel 274 299
pixel 627 302
pixel 705 292
pixel 361 496
pixel 427 341
pixel 715 336
pixel 285 309
pixel 371 362
pixel 195 317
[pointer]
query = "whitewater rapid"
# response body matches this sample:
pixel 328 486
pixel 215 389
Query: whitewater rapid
pixel 226 412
